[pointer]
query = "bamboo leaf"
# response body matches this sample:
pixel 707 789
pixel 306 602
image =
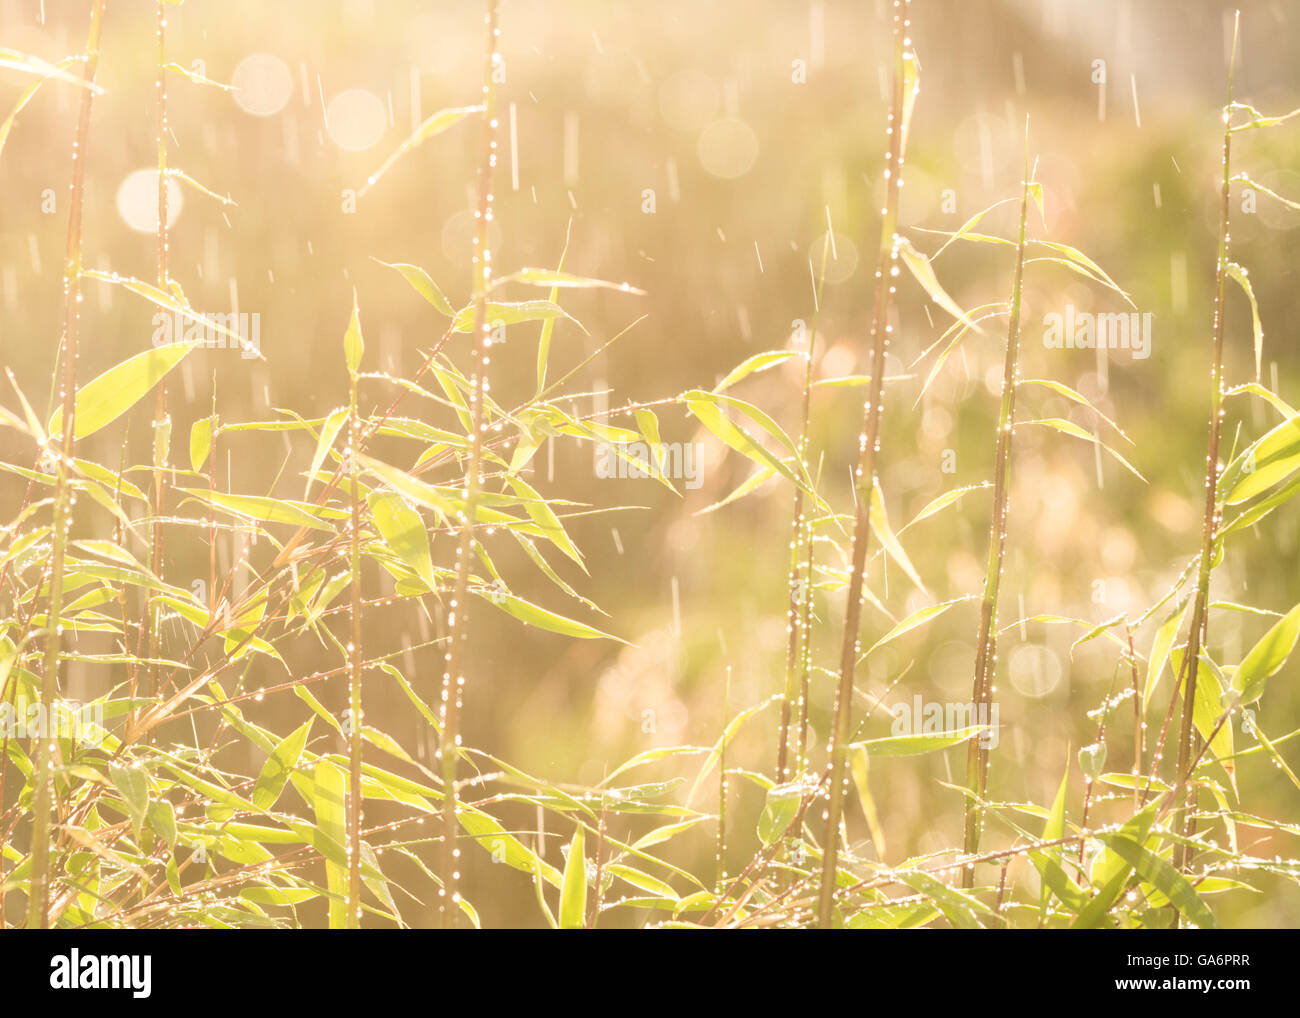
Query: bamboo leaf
pixel 918 618
pixel 497 312
pixel 912 745
pixel 354 345
pixel 133 786
pixel 752 365
pixel 1070 428
pixel 1242 278
pixel 1172 884
pixel 329 836
pixel 329 431
pixel 1267 657
pixel 274 774
pixel 528 612
pixel 200 443
pixel 879 520
pixel 106 398
pixel 261 507
pixel 1160 647
pixel 563 280
pixel 573 891
pixel 424 285
pixel 923 272
pixel 403 530
pixel 434 125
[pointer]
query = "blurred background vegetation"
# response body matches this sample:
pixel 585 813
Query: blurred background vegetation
pixel 698 150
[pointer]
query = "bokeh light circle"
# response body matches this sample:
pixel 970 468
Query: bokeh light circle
pixel 137 200
pixel 728 148
pixel 356 119
pixel 1034 670
pixel 841 257
pixel 263 84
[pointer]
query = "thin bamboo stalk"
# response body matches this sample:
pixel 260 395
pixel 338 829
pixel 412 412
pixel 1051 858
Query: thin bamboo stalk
pixel 39 887
pixel 865 476
pixel 457 619
pixel 977 757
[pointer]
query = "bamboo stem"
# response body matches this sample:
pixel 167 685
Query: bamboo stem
pixel 1198 631
pixel 354 670
pixel 800 593
pixel 865 477
pixel 453 677
pixel 161 423
pixel 38 896
pixel 977 756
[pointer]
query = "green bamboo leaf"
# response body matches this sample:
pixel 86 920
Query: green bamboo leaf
pixel 1111 872
pixel 860 769
pixel 1266 394
pixel 941 502
pixel 1209 707
pixel 354 345
pixel 162 818
pixel 1070 428
pixel 196 78
pixel 1047 860
pixel 747 487
pixel 1264 463
pixel 185 178
pixel 176 303
pixel 106 398
pixel 27 63
pixel 498 312
pixel 432 126
pixel 548 325
pixel 330 835
pixel 133 786
pixel 643 881
pixel 416 490
pixel 497 842
pixel 911 745
pixel 329 431
pixel 528 612
pixel 706 406
pixel 404 531
pixel 1256 121
pixel 544 516
pixel 373 877
pixel 1164 878
pixel 918 618
pixel 958 907
pixel 970 224
pixel 752 365
pixel 1073 396
pixel 261 507
pixel 200 443
pixel 879 520
pixel 1077 257
pixel 573 892
pixel 923 272
pixel 59 72
pixel 279 765
pixel 779 809
pixel 1267 657
pixel 425 710
pixel 668 831
pixel 1160 647
pixel 1242 278
pixel 563 280
pixel 648 424
pixel 424 285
